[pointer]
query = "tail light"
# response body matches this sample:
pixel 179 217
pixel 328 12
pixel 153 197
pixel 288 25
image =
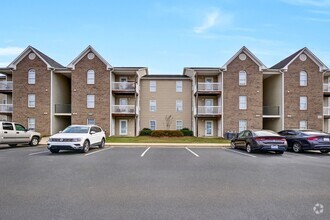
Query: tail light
pixel 270 138
pixel 313 138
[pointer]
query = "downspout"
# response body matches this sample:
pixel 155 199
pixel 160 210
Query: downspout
pixel 283 94
pixel 323 104
pixel 221 102
pixel 51 100
pixel 135 97
pixel 110 125
pixel 196 101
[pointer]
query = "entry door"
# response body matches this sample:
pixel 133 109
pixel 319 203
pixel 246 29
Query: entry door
pixel 123 82
pixel 122 104
pixel 208 83
pixel 122 127
pixel 208 106
pixel 208 128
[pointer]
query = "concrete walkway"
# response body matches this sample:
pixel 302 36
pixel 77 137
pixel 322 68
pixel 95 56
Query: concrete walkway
pixel 197 145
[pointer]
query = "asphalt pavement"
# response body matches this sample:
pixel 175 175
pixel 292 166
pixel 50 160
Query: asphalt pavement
pixel 163 183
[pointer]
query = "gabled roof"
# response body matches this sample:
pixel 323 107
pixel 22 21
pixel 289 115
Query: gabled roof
pixel 284 64
pixel 84 53
pixel 249 54
pixel 46 59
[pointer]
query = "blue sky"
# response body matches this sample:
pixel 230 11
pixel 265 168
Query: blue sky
pixel 166 36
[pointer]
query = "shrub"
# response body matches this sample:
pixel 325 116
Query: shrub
pixel 168 133
pixel 187 132
pixel 145 132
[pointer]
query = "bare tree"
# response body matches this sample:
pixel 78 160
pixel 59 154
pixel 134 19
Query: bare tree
pixel 168 121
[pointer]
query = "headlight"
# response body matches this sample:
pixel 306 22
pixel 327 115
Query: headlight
pixel 76 139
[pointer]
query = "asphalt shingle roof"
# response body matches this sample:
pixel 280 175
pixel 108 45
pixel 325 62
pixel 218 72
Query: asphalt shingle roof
pixel 287 60
pixel 49 60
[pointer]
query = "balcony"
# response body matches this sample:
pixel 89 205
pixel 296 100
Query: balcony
pixel 123 110
pixel 326 112
pixel 6 86
pixel 123 87
pixel 326 89
pixel 6 108
pixel 209 88
pixel 63 109
pixel 271 111
pixel 209 111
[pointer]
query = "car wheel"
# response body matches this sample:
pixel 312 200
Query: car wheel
pixel 34 141
pixel 296 147
pixel 54 151
pixel 102 143
pixel 232 144
pixel 12 145
pixel 86 146
pixel 249 148
pixel 324 151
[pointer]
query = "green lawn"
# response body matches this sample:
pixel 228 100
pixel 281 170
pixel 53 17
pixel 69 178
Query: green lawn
pixel 148 139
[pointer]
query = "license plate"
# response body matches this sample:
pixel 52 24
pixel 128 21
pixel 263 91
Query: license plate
pixel 274 147
pixel 326 139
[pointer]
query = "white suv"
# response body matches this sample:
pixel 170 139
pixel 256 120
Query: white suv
pixel 77 137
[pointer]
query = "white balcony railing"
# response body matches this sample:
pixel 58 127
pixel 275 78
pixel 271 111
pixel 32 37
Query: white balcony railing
pixel 6 108
pixel 326 87
pixel 209 110
pixel 326 110
pixel 6 85
pixel 209 87
pixel 123 109
pixel 123 86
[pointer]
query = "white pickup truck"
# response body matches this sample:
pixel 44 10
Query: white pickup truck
pixel 12 133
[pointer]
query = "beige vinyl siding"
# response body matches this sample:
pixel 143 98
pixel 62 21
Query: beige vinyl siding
pixel 165 97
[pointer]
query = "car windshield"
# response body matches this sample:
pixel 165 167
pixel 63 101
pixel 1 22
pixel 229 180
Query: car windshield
pixel 76 129
pixel 265 133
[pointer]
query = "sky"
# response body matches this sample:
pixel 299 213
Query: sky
pixel 165 35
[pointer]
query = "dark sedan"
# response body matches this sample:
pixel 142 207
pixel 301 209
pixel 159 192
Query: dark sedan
pixel 300 140
pixel 259 140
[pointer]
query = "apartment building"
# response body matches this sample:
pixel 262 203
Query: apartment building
pixel 37 91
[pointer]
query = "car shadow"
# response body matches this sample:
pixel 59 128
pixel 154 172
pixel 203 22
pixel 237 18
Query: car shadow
pixel 6 147
pixel 72 152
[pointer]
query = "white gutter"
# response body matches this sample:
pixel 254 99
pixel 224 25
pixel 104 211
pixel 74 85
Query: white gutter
pixel 51 101
pixel 283 92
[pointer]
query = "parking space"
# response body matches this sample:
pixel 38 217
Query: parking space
pixel 162 183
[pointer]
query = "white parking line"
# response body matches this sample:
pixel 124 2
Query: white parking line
pixel 41 152
pixel 192 152
pixel 145 152
pixel 249 155
pixel 98 151
pixel 299 154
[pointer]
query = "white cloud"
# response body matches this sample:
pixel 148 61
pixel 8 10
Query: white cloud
pixel 212 19
pixel 316 3
pixel 11 51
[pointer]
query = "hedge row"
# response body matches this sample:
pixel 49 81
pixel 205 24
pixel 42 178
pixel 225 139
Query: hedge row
pixel 168 133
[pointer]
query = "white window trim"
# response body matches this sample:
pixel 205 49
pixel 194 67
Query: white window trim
pixel 206 134
pixel 152 86
pixel 29 123
pixel 89 102
pixel 241 128
pixel 126 131
pixel 242 78
pixel 301 107
pixel 32 80
pixel 240 104
pixel 155 124
pixel 179 86
pixel 92 79
pixel 176 123
pixel 306 124
pixel 177 105
pixel 34 101
pixel 305 82
pixel 150 105
pixel 90 119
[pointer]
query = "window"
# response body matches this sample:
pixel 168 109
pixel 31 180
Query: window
pixel 179 124
pixel 178 86
pixel 32 76
pixel 152 86
pixel 242 125
pixel 242 102
pixel 303 124
pixel 31 123
pixel 7 126
pixel 19 127
pixel 152 105
pixel 90 121
pixel 303 78
pixel 242 78
pixel 31 100
pixel 152 125
pixel 90 77
pixel 303 102
pixel 179 106
pixel 90 101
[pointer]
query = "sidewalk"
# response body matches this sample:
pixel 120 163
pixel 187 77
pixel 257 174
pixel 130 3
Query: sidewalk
pixel 192 145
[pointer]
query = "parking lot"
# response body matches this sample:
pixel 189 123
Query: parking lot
pixel 163 183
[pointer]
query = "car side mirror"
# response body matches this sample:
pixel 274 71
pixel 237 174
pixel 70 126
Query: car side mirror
pixel 92 132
